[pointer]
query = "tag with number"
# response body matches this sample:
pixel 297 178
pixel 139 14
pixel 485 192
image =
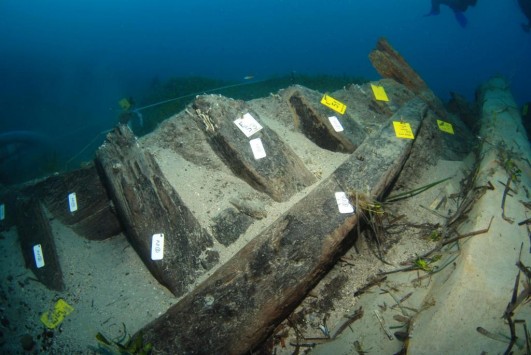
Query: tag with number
pixel 157 246
pixel 445 127
pixel 379 93
pixel 332 103
pixel 258 148
pixel 39 258
pixel 334 121
pixel 72 202
pixel 248 125
pixel 403 130
pixel 343 203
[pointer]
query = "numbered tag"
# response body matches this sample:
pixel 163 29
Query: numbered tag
pixel 248 125
pixel 379 93
pixel 332 103
pixel 51 319
pixel 157 246
pixel 2 212
pixel 343 203
pixel 334 121
pixel 403 130
pixel 72 202
pixel 257 148
pixel 39 258
pixel 445 127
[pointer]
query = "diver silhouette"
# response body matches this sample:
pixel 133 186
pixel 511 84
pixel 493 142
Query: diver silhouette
pixel 525 5
pixel 458 7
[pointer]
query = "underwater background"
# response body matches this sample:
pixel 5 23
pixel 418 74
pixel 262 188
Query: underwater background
pixel 65 65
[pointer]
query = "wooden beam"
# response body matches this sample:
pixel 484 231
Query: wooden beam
pixel 148 206
pixel 94 217
pixel 390 64
pixel 281 175
pixel 245 299
pixel 37 243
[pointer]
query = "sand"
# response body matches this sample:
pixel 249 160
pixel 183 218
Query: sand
pixel 112 292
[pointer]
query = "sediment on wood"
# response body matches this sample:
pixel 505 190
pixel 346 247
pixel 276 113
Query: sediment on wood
pixel 390 64
pixel 312 119
pixel 281 175
pixel 94 217
pixel 242 302
pixel 37 243
pixel 147 205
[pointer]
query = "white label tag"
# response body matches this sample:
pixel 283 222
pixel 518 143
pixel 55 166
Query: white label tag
pixel 2 212
pixel 72 202
pixel 343 203
pixel 157 246
pixel 257 148
pixel 39 258
pixel 248 125
pixel 334 121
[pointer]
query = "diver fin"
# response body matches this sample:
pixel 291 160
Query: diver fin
pixel 460 17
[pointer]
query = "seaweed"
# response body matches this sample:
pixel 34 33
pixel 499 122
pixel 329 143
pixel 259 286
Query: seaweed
pixel 134 346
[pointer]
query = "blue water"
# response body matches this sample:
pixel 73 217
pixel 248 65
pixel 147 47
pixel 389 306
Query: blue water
pixel 64 64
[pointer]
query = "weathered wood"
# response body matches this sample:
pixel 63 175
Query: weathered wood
pixel 147 205
pixel 390 64
pixel 486 262
pixel 311 118
pixel 94 218
pixel 281 175
pixel 242 302
pixel 34 230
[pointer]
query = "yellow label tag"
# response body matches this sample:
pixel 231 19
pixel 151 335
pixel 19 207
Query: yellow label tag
pixel 52 319
pixel 379 93
pixel 403 130
pixel 124 104
pixel 445 126
pixel 332 103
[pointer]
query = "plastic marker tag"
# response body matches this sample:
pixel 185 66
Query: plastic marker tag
pixel 445 126
pixel 379 93
pixel 157 246
pixel 257 148
pixel 39 258
pixel 335 123
pixel 332 103
pixel 72 202
pixel 2 212
pixel 403 130
pixel 248 125
pixel 343 203
pixel 51 319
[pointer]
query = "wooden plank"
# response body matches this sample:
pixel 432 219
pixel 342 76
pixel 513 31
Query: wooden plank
pixel 280 175
pixel 148 205
pixel 390 64
pixel 35 232
pixel 94 218
pixel 242 302
pixel 311 118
